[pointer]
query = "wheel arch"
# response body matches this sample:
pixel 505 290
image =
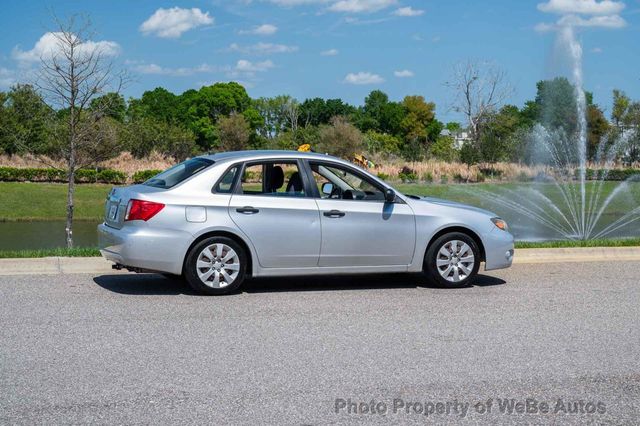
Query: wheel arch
pixel 472 234
pixel 231 235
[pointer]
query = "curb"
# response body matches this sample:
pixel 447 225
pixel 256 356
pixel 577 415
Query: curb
pixel 98 265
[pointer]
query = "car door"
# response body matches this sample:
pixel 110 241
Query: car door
pixel 272 204
pixel 358 227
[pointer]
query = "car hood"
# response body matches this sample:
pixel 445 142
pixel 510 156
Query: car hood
pixel 457 205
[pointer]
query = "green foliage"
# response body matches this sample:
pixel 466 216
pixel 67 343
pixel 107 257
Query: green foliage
pixel 611 175
pixel 381 143
pixel 427 177
pixel 443 149
pixel 383 176
pixel 469 154
pixel 341 139
pixel 145 135
pixel 144 175
pixel 14 174
pixel 234 133
pixel 408 175
pixel 111 105
pixel 24 121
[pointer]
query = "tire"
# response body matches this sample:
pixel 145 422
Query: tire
pixel 207 271
pixel 455 249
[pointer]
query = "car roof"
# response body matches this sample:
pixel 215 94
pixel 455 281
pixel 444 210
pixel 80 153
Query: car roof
pixel 268 154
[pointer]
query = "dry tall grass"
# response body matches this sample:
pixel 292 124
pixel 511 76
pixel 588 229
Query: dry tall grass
pixel 429 171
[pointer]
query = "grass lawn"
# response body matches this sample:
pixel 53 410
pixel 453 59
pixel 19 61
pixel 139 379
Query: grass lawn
pixel 47 201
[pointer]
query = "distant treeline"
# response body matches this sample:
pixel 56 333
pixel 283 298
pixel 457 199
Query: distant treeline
pixel 223 117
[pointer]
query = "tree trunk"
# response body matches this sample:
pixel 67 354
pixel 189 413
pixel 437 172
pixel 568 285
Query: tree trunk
pixel 70 194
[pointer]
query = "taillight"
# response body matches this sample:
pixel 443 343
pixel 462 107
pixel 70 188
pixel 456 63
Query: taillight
pixel 142 210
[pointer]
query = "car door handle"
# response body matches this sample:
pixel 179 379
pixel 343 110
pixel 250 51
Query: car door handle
pixel 334 213
pixel 247 210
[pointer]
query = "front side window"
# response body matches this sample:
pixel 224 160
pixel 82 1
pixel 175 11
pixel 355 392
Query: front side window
pixel 340 183
pixel 281 179
pixel 179 173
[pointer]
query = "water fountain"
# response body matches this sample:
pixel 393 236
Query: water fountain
pixel 566 203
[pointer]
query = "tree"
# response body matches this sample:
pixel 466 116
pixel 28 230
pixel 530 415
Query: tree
pixel 146 135
pixel 71 76
pixel 480 89
pixel 24 121
pixel 498 142
pixel 597 129
pixel 443 149
pixel 341 138
pixel 111 105
pixel 621 103
pixel 382 143
pixel 418 115
pixel 233 132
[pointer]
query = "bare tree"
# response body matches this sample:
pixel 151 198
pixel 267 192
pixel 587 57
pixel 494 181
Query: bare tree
pixel 480 88
pixel 72 74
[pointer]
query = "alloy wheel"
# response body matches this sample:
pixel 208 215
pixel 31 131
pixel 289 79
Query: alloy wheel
pixel 218 265
pixel 455 261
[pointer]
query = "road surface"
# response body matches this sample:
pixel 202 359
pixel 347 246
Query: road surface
pixel 559 342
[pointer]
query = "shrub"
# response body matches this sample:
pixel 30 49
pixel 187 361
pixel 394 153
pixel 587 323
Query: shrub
pixel 444 179
pixel 458 178
pixel 408 175
pixel 613 174
pixel 383 176
pixel 428 177
pixel 491 172
pixel 14 174
pixel 111 176
pixel 144 175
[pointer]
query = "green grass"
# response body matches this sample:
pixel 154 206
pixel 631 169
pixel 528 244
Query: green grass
pixel 57 252
pixel 627 242
pixel 23 201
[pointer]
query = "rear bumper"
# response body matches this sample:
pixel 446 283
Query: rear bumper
pixel 154 249
pixel 499 249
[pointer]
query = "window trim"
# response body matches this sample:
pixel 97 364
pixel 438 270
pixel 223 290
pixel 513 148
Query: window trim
pixel 301 169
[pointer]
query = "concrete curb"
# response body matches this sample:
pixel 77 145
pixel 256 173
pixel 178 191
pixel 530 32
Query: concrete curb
pixel 97 265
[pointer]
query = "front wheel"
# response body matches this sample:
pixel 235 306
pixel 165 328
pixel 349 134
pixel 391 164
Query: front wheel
pixel 216 266
pixel 452 260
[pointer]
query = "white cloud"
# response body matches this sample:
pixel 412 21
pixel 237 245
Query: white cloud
pixel 408 11
pixel 583 13
pixel 613 21
pixel 362 78
pixel 171 23
pixel 330 52
pixel 246 66
pixel 361 6
pixel 263 48
pixel 173 72
pixel 582 7
pixel 597 50
pixel 610 22
pixel 263 30
pixel 404 74
pixel 49 45
pixel 6 78
pixel 291 3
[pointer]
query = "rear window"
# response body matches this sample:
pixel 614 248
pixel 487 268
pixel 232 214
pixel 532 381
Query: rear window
pixel 178 173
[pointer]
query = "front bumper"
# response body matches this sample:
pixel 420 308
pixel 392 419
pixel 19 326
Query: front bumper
pixel 499 249
pixel 154 249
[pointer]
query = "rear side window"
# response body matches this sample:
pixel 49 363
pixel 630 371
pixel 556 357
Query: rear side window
pixel 179 173
pixel 225 185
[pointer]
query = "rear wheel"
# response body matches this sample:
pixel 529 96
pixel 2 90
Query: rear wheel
pixel 216 266
pixel 452 260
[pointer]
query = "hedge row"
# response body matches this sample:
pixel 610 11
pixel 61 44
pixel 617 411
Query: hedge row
pixel 613 174
pixel 13 174
pixel 144 175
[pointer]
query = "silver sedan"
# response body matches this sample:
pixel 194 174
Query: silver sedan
pixel 217 219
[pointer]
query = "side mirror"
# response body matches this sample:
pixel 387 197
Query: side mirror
pixel 389 195
pixel 327 188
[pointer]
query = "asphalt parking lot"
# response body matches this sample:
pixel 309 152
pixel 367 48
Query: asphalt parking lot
pixel 125 348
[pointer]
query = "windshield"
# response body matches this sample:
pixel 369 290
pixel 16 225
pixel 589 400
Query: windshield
pixel 178 173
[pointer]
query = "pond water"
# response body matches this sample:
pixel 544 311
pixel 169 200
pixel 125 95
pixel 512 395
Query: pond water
pixel 46 234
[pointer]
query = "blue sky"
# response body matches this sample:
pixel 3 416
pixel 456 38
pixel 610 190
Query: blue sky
pixel 338 48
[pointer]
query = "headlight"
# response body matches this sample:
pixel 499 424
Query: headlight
pixel 500 223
